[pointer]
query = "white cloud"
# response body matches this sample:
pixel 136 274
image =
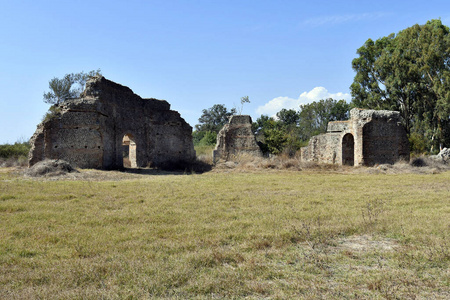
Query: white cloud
pixel 316 94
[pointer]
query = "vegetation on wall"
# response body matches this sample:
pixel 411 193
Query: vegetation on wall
pixel 61 89
pixel 70 86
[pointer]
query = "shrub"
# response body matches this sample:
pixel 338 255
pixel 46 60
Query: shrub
pixel 15 154
pixel 52 112
pixel 208 139
pixel 15 150
pixel 418 143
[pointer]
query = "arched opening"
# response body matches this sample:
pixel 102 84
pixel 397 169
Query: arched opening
pixel 129 151
pixel 348 150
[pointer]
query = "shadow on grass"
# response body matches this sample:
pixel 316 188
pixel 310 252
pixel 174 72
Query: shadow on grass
pixel 180 168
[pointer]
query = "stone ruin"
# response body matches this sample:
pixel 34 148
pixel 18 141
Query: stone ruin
pixel 370 137
pixel 235 138
pixel 443 156
pixel 109 122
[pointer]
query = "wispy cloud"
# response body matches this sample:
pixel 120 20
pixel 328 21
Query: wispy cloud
pixel 340 19
pixel 316 94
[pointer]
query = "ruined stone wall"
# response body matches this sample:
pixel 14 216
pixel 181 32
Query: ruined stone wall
pixel 384 143
pixel 369 137
pixel 74 135
pixel 236 137
pixel 322 148
pixel 89 131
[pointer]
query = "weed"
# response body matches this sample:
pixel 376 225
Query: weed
pixel 372 211
pixel 313 234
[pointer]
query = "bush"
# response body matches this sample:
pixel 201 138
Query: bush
pixel 14 151
pixel 52 112
pixel 418 143
pixel 15 154
pixel 418 162
pixel 209 139
pixel 204 138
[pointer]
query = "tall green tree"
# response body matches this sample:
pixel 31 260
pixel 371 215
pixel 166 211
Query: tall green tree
pixel 408 72
pixel 288 117
pixel 214 118
pixel 70 86
pixel 314 116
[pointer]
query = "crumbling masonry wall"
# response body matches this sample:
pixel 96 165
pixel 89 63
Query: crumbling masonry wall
pixel 370 137
pixel 89 131
pixel 236 137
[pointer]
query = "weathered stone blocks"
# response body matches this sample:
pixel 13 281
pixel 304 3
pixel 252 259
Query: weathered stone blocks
pixel 370 137
pixel 89 132
pixel 235 138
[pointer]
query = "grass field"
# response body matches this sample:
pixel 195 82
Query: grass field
pixel 274 234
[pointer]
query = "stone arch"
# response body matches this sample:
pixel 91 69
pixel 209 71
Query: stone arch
pixel 129 151
pixel 348 150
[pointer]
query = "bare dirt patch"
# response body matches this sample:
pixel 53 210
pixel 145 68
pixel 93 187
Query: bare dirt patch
pixel 366 243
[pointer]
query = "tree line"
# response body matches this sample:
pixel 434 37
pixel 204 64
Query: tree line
pixel 407 72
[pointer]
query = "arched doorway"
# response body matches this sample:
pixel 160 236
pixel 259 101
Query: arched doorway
pixel 129 151
pixel 348 150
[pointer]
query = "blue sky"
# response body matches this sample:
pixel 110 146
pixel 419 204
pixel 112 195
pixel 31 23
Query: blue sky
pixel 194 54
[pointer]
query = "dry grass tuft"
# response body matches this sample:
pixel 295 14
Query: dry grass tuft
pixel 204 154
pixel 418 165
pixel 245 161
pixel 21 161
pixel 50 167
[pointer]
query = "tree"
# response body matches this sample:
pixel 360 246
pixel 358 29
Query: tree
pixel 288 117
pixel 70 86
pixel 271 134
pixel 314 117
pixel 292 129
pixel 261 123
pixel 214 118
pixel 408 72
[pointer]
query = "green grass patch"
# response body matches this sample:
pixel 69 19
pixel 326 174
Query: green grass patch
pixel 226 235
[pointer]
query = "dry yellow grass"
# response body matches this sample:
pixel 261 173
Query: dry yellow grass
pixel 222 234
